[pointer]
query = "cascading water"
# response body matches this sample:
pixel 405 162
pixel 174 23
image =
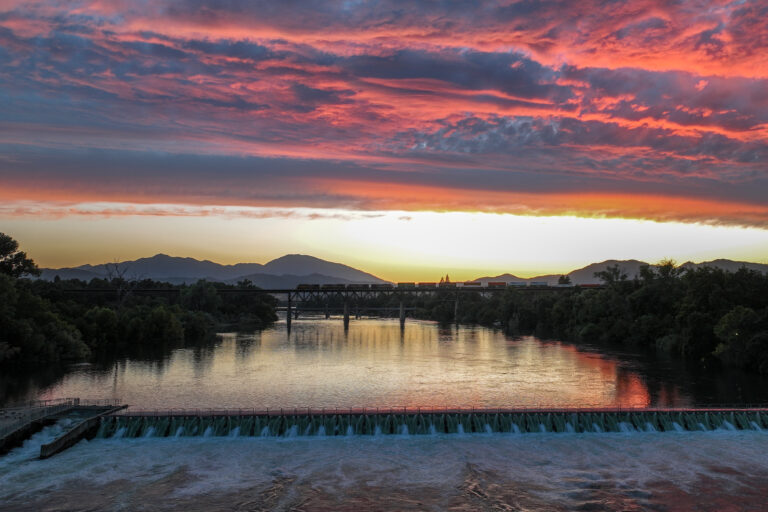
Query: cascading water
pixel 428 423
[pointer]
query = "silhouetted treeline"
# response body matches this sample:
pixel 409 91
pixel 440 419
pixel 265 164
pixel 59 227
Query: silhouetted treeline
pixel 707 315
pixel 46 322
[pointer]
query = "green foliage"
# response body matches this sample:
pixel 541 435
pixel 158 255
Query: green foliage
pixel 742 337
pixel 707 315
pixel 201 296
pixel 13 262
pixel 41 322
pixel 32 331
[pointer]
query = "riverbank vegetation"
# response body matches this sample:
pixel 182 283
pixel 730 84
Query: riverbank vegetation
pixel 706 315
pixel 43 322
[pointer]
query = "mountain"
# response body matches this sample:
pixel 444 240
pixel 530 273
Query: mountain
pixel 292 268
pixel 164 266
pixel 502 277
pixel 298 264
pixel 586 275
pixel 290 281
pixel 729 265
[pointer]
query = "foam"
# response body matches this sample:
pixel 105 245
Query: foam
pixel 558 464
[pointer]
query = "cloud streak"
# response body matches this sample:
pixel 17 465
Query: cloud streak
pixel 628 109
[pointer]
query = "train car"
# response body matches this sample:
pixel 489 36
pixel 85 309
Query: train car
pixel 427 285
pixel 359 286
pixel 497 284
pixel 406 285
pixel 381 287
pixel 447 285
pixel 333 287
pixel 590 285
pixel 517 284
pixel 472 284
pixel 538 284
pixel 308 287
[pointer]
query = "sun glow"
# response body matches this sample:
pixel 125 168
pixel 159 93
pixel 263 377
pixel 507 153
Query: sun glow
pixel 395 245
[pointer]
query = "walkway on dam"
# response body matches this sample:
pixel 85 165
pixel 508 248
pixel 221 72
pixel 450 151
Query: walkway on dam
pixel 19 422
pixel 364 421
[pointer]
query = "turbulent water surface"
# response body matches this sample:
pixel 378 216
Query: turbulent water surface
pixel 712 471
pixel 375 365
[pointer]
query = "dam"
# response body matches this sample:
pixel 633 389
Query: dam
pixel 375 422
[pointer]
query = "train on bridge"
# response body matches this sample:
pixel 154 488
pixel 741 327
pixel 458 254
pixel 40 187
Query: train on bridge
pixel 430 286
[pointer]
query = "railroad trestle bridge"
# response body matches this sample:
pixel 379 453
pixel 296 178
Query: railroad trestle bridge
pixel 352 299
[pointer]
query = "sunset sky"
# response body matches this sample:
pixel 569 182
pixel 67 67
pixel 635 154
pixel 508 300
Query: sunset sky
pixel 409 139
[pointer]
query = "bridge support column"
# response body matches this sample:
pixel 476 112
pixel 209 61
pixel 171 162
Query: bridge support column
pixel 346 314
pixel 327 312
pixel 288 313
pixel 456 310
pixel 402 314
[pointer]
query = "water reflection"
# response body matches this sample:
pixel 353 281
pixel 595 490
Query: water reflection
pixel 375 364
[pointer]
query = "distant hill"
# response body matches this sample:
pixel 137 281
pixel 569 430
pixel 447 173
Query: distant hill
pixel 729 265
pixel 290 281
pixel 299 264
pixel 586 275
pixel 502 277
pixel 293 269
pixel 287 271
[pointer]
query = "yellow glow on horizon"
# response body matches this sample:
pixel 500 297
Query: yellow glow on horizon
pixel 394 245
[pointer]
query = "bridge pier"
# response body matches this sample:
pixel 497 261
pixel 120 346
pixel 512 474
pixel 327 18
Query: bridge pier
pixel 402 314
pixel 456 310
pixel 346 314
pixel 327 313
pixel 288 313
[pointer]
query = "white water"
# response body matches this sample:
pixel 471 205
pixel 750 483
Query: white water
pixel 557 469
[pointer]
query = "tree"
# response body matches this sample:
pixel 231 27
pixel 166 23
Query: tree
pixel 13 262
pixel 612 274
pixel 564 279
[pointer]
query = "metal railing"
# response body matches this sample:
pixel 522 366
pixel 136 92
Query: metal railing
pixel 74 401
pixel 306 411
pixel 13 419
pixel 16 416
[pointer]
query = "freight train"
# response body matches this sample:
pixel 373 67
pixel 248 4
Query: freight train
pixel 431 286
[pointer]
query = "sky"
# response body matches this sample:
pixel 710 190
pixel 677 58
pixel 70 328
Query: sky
pixel 407 138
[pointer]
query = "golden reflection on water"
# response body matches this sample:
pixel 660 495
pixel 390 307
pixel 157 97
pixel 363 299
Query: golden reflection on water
pixel 373 364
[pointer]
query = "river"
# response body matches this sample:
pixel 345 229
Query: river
pixel 376 365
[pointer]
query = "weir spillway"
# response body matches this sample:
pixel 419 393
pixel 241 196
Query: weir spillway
pixel 424 422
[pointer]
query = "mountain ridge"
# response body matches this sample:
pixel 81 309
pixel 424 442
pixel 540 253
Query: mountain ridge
pixel 586 274
pixel 290 268
pixel 293 269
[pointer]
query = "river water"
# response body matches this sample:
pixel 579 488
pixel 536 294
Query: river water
pixel 374 364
